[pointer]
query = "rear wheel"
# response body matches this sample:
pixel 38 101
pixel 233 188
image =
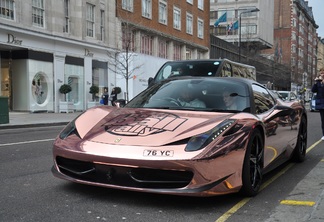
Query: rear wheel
pixel 299 154
pixel 253 165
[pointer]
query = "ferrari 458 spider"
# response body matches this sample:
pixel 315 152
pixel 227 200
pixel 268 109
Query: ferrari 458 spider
pixel 195 136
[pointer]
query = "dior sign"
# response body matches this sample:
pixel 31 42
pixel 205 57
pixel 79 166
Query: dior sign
pixel 13 40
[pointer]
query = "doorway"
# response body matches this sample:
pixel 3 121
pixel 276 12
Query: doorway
pixel 5 83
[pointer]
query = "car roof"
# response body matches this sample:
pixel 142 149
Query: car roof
pixel 236 79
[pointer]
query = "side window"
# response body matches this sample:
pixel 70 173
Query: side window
pixel 262 99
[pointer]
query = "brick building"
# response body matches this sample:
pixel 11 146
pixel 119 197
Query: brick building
pixel 170 29
pixel 295 41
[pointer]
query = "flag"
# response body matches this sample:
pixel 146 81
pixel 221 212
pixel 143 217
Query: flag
pixel 229 27
pixel 223 18
pixel 235 25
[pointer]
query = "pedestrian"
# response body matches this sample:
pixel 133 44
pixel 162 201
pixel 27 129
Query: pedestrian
pixel 105 96
pixel 113 96
pixel 318 88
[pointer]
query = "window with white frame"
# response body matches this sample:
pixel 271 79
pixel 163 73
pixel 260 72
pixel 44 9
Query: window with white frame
pixel 176 52
pixel 127 5
pixel 201 4
pixel 90 20
pixel 163 12
pixel 102 25
pixel 200 28
pixel 176 18
pixel 188 54
pixel 301 41
pixel 199 55
pixel 189 20
pixel 66 27
pixel 293 61
pixel 190 1
pixel 147 8
pixel 249 29
pixel 300 64
pixel 7 9
pixel 301 53
pixel 146 44
pixel 230 14
pixel 163 48
pixel 38 13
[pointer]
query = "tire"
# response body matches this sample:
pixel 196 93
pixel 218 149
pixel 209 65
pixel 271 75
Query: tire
pixel 253 165
pixel 299 153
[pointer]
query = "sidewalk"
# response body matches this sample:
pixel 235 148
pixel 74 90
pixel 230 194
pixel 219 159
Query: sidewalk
pixel 27 119
pixel 305 202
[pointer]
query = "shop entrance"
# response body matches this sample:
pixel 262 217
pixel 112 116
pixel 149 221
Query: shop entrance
pixel 5 80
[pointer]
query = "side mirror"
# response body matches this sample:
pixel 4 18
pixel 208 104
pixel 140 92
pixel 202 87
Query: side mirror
pixel 150 81
pixel 285 110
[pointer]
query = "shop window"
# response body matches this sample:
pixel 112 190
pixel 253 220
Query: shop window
pixel 39 88
pixel 74 94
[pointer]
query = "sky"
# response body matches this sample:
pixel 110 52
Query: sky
pixel 318 13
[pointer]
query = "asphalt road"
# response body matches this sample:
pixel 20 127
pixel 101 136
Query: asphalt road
pixel 29 192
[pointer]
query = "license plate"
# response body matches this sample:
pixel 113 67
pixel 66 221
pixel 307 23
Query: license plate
pixel 166 153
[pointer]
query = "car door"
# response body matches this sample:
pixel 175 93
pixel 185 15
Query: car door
pixel 277 136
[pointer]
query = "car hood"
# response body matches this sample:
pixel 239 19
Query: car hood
pixel 144 127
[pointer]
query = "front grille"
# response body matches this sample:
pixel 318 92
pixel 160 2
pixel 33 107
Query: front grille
pixel 124 176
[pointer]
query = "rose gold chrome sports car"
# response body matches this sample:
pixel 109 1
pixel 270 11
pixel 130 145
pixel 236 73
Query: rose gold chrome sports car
pixel 185 136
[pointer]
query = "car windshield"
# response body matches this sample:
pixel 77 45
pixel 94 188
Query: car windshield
pixel 276 95
pixel 202 94
pixel 188 68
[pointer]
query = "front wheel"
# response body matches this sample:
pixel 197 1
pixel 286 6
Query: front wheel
pixel 299 154
pixel 253 165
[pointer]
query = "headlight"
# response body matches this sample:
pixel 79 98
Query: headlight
pixel 68 130
pixel 200 141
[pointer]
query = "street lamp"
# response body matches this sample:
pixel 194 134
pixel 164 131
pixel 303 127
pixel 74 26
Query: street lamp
pixel 240 30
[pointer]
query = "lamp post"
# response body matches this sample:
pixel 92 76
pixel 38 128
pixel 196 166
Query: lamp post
pixel 240 30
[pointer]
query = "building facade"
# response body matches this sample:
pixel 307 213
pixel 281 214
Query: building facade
pixel 231 21
pixel 295 41
pixel 45 44
pixel 163 29
pixel 320 54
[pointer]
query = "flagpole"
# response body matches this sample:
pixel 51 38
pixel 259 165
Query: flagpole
pixel 240 29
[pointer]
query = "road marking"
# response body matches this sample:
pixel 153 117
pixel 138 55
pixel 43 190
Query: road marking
pixel 312 146
pixel 240 204
pixel 298 203
pixel 26 142
pixel 231 211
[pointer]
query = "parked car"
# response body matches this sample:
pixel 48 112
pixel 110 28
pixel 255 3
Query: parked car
pixel 203 67
pixel 276 94
pixel 288 95
pixel 312 103
pixel 161 143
